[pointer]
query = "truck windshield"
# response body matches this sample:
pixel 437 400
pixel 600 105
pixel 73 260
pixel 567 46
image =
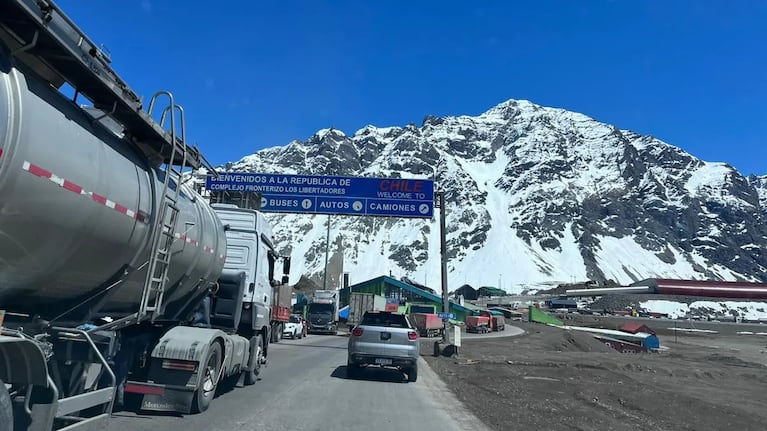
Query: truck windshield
pixel 385 319
pixel 422 309
pixel 321 308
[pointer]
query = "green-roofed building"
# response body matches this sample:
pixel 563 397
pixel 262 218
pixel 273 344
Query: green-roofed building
pixel 406 294
pixel 490 291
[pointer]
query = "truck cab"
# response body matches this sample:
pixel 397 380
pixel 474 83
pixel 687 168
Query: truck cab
pixel 322 312
pixel 251 259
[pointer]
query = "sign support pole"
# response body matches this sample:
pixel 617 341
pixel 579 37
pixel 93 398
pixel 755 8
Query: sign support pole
pixel 327 252
pixel 443 255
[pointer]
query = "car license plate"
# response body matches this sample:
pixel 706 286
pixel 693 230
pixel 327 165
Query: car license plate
pixel 383 361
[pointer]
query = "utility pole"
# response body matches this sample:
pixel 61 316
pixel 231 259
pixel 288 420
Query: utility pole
pixel 443 254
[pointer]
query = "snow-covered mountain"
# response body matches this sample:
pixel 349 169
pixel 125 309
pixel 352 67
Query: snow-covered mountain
pixel 535 195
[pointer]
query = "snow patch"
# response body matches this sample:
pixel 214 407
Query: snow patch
pixel 676 310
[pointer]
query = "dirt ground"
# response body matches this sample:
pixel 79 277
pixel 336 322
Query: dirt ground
pixel 566 380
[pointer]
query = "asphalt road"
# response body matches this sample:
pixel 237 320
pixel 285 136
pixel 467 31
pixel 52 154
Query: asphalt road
pixel 304 387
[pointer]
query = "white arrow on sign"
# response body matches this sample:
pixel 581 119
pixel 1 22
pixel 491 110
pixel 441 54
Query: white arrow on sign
pixel 424 208
pixel 357 206
pixel 306 203
pixel 264 202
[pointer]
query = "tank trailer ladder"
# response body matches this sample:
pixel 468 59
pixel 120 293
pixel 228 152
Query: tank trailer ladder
pixel 164 227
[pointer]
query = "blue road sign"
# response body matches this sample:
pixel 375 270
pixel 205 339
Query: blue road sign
pixel 387 197
pixel 444 316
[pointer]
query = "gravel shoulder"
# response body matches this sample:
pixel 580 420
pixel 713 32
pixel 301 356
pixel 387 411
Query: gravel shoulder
pixel 555 379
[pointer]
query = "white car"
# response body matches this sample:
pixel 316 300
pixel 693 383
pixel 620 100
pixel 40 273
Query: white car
pixel 294 328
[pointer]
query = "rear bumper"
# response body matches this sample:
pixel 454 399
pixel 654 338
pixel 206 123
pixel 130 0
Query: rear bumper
pixel 396 361
pixel 325 329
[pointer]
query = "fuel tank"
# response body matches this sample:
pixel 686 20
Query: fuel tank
pixel 77 203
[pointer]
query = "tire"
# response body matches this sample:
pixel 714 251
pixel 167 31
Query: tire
pixel 6 409
pixel 256 356
pixel 412 374
pixel 207 389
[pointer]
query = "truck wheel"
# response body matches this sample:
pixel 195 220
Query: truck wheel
pixel 412 374
pixel 256 358
pixel 6 409
pixel 207 389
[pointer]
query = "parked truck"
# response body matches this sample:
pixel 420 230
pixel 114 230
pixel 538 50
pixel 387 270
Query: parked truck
pixel 322 312
pixel 281 308
pixel 427 324
pixel 478 324
pixel 496 320
pixel 360 302
pixel 116 278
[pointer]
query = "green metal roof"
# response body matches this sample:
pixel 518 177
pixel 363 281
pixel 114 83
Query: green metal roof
pixel 472 307
pixel 409 288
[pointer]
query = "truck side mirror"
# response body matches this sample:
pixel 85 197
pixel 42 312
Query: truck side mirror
pixel 286 265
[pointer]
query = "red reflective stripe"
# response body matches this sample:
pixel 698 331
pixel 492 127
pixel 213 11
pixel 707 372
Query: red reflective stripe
pixel 72 187
pixel 98 198
pixel 40 172
pixel 146 390
pixel 1 152
pixel 121 209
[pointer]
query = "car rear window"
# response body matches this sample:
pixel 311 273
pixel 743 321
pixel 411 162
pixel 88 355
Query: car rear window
pixel 385 319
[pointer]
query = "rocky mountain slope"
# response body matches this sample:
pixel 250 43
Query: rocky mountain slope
pixel 535 195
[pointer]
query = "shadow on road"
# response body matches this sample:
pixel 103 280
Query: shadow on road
pixel 376 374
pixel 314 345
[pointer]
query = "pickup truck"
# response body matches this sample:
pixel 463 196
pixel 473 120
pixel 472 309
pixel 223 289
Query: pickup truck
pixel 383 339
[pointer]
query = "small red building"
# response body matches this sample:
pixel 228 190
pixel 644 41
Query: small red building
pixel 635 327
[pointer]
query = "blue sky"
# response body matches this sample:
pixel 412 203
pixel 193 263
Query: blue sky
pixel 255 74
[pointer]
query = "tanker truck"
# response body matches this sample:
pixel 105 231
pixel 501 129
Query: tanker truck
pixel 115 276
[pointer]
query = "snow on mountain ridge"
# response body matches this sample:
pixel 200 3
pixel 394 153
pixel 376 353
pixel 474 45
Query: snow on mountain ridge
pixel 535 194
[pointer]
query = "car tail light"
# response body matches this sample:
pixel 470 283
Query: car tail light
pixel 171 364
pixel 412 335
pixel 356 332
